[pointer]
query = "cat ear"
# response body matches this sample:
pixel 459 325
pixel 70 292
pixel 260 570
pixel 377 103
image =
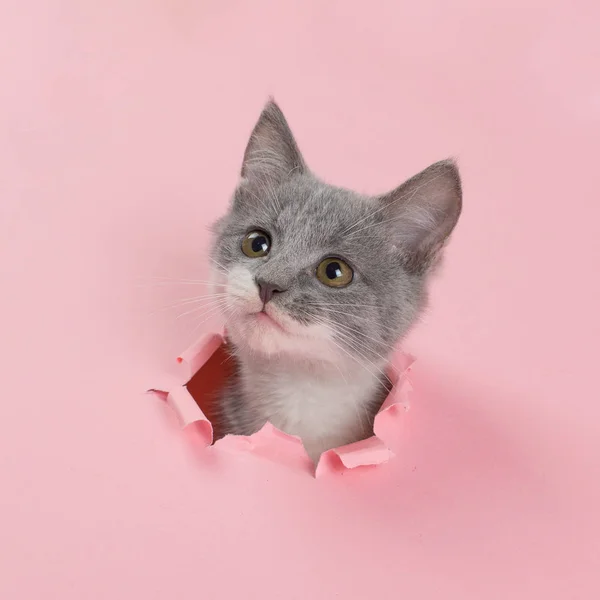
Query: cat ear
pixel 271 152
pixel 422 213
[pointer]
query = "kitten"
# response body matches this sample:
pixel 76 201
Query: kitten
pixel 320 283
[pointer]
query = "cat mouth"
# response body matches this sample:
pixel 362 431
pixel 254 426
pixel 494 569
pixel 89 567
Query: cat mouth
pixel 264 318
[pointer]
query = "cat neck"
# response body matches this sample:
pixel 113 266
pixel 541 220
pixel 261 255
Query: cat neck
pixel 339 369
pixel 317 402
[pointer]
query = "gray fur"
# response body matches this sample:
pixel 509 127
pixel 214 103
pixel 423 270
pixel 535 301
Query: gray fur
pixel 392 242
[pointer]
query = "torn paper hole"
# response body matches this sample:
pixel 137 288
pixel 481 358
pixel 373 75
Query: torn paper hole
pixel 204 368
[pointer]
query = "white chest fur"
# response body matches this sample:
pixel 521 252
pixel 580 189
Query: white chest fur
pixel 324 408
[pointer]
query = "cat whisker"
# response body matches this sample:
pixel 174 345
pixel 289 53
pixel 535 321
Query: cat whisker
pixel 347 340
pixel 206 306
pixel 339 312
pixel 341 373
pixel 230 312
pixel 213 304
pixel 187 301
pixel 216 295
pixel 226 310
pixel 211 314
pixel 363 357
pixel 176 279
pixel 353 330
pixel 365 339
pixel 175 282
pixel 228 358
pixel 158 284
pixel 327 304
pixel 345 336
pixel 352 344
pixel 221 266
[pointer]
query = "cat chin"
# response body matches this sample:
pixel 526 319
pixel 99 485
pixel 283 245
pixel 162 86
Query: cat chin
pixel 263 334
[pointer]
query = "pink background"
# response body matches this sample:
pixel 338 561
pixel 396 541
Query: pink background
pixel 122 124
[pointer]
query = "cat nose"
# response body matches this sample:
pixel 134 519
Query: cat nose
pixel 267 290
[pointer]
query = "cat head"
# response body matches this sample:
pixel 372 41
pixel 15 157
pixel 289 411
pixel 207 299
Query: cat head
pixel 311 271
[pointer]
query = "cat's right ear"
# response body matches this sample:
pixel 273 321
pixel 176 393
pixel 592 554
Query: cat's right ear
pixel 272 154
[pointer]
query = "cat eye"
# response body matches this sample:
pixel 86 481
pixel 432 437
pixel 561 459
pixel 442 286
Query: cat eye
pixel 256 244
pixel 334 272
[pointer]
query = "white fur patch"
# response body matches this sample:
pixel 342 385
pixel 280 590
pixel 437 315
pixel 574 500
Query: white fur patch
pixel 325 409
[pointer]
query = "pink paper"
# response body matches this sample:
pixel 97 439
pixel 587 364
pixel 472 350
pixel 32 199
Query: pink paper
pixel 198 354
pixel 186 399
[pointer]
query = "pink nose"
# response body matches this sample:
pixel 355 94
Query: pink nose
pixel 266 291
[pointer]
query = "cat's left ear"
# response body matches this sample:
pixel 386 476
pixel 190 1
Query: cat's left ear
pixel 422 213
pixel 272 152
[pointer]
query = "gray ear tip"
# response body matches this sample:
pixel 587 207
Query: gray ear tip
pixel 271 151
pixel 449 169
pixel 271 109
pixel 448 166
